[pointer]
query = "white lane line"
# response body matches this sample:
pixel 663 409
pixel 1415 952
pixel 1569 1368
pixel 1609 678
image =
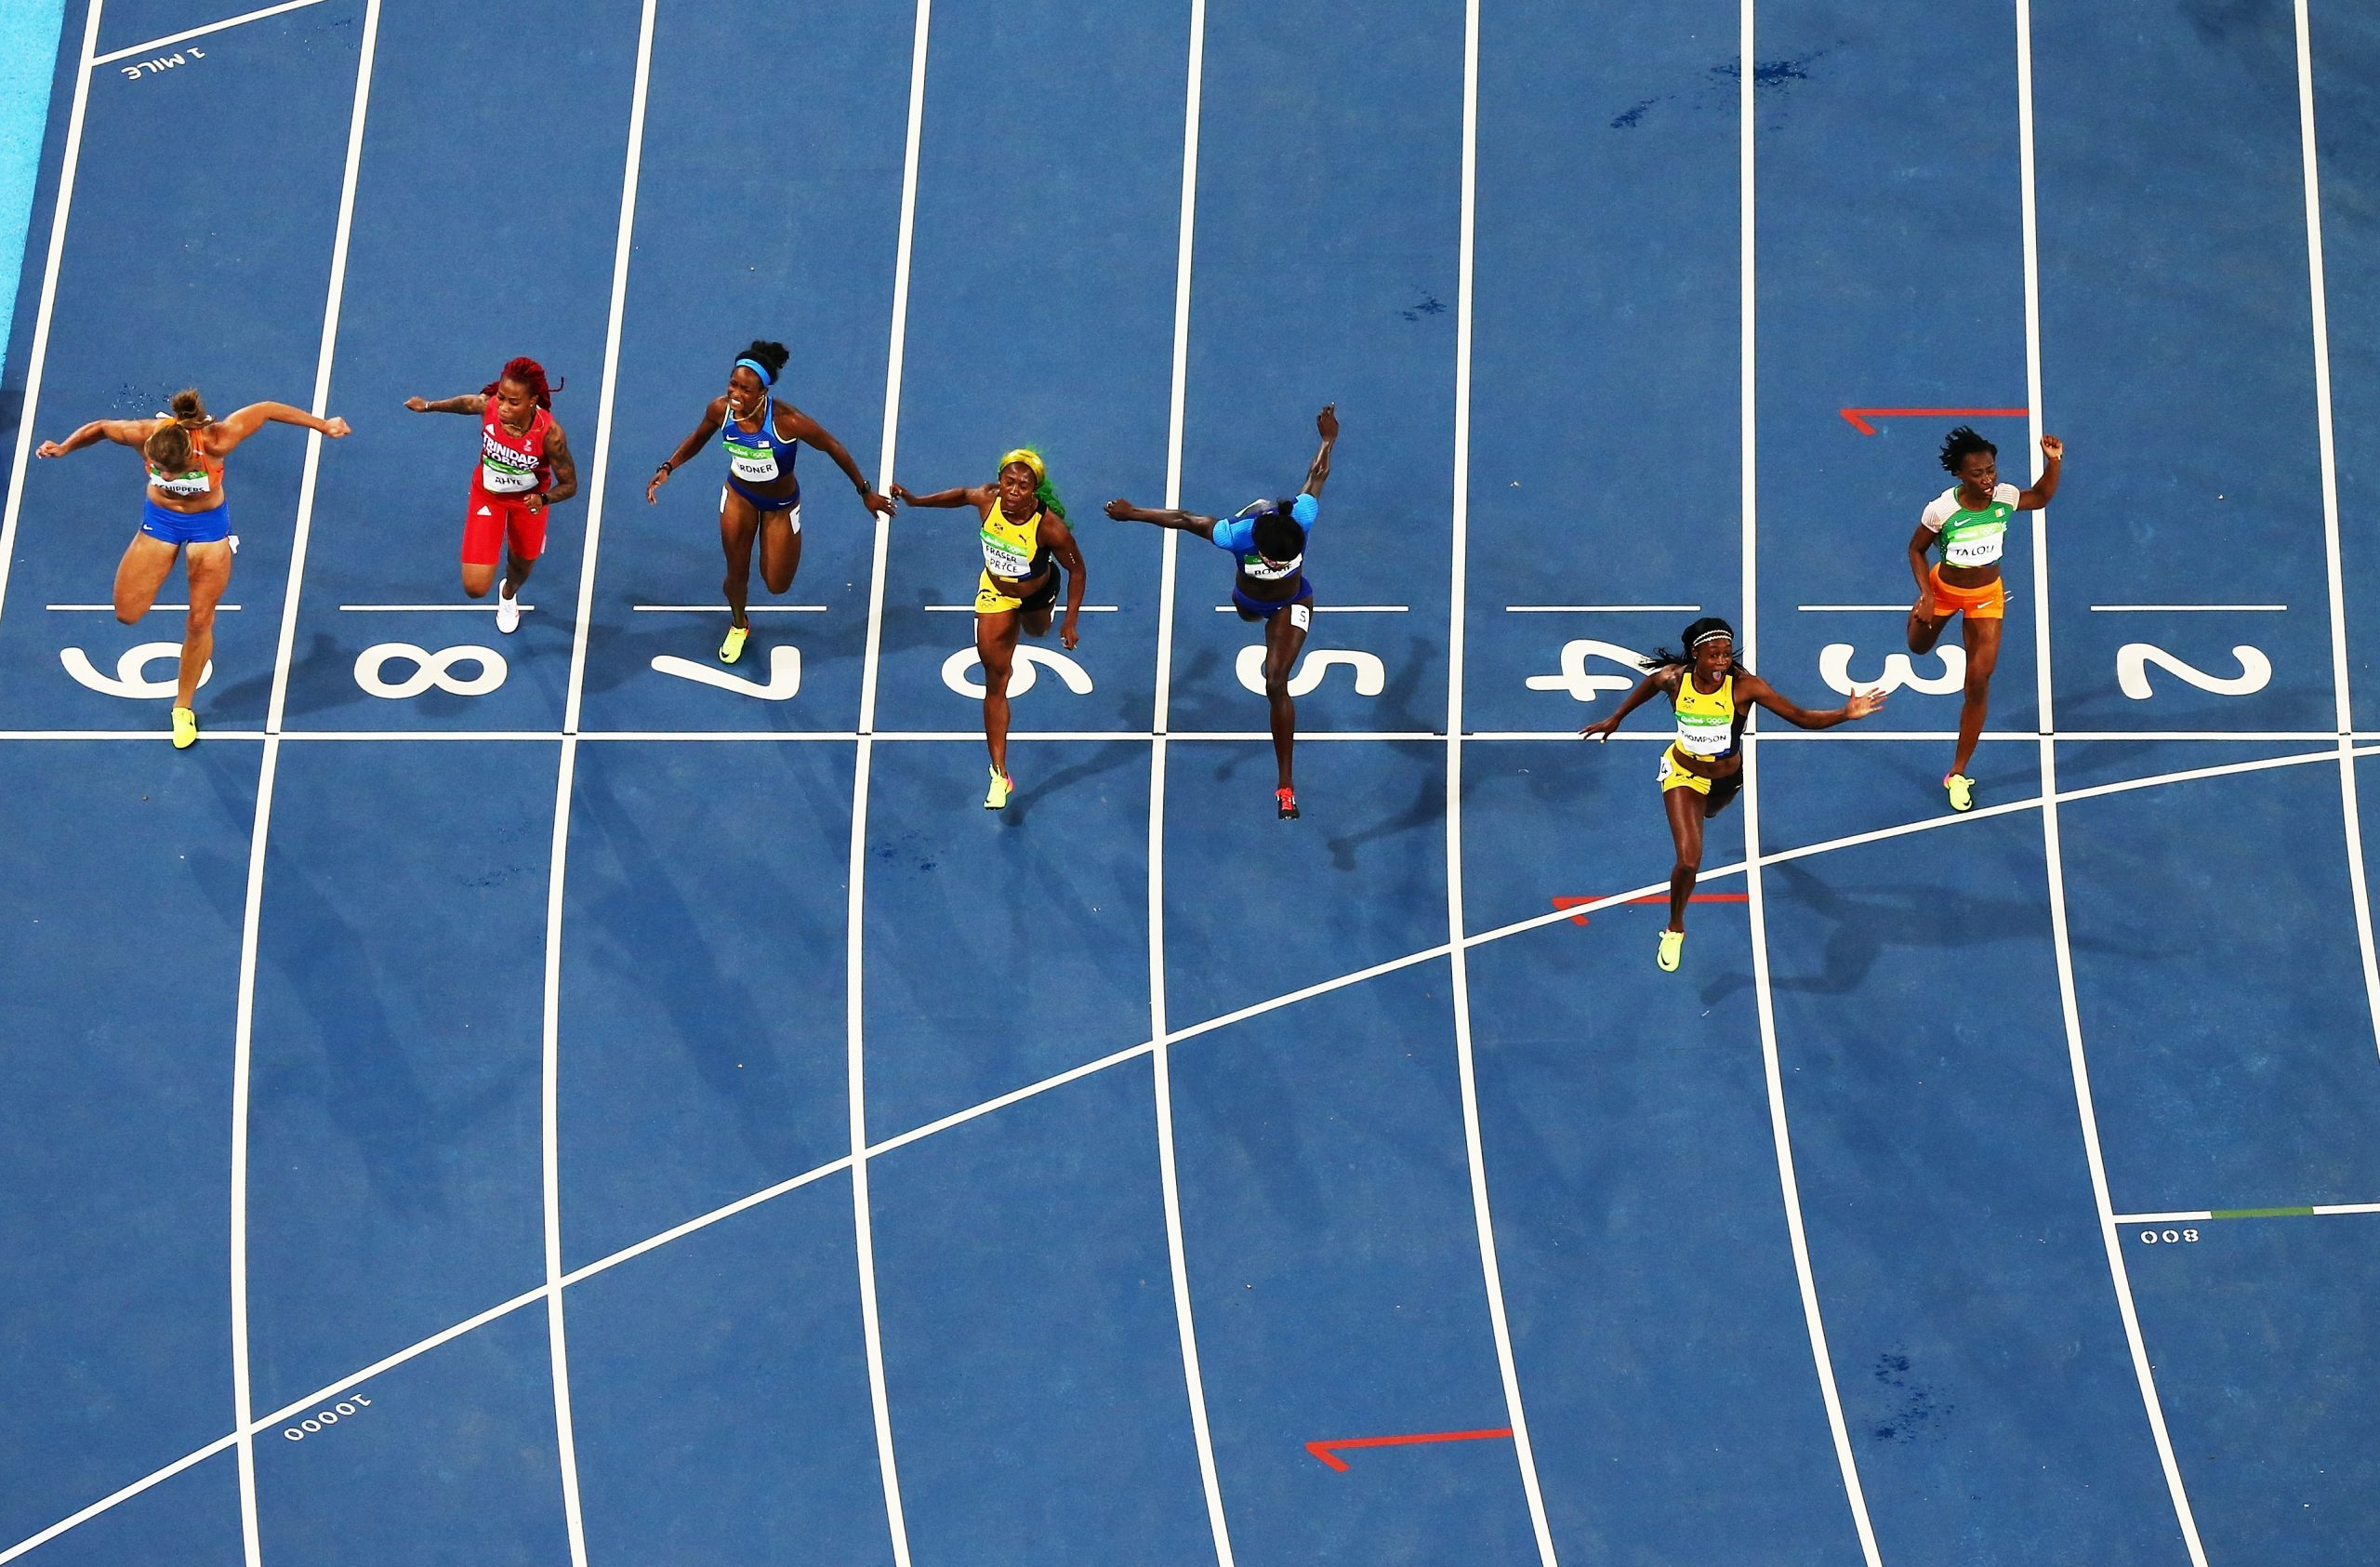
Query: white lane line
pixel 1602 609
pixel 1789 1184
pixel 37 359
pixel 1074 1074
pixel 855 878
pixel 704 1221
pixel 1014 1096
pixel 546 736
pixel 107 608
pixel 1665 735
pixel 2050 797
pixel 2358 887
pixel 120 735
pixel 2186 608
pixel 722 735
pixel 425 608
pixel 1332 608
pixel 1853 609
pixel 2319 1210
pixel 2178 735
pixel 170 39
pixel 244 1020
pixel 1303 736
pixel 125 1494
pixel 565 784
pixel 1160 1042
pixel 745 1203
pixel 1391 736
pixel 969 609
pixel 2029 736
pixel 721 609
pixel 1458 593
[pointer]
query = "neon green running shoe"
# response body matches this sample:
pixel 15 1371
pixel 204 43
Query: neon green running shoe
pixel 1666 955
pixel 1962 789
pixel 733 648
pixel 996 798
pixel 185 728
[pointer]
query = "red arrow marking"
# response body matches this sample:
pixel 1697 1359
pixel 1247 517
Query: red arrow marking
pixel 1657 897
pixel 1859 422
pixel 1322 1449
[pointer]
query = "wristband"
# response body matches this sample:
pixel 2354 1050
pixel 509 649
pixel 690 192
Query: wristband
pixel 667 467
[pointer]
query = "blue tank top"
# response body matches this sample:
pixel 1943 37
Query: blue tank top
pixel 757 456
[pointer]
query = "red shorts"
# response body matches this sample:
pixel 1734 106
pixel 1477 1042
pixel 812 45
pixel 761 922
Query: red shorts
pixel 492 521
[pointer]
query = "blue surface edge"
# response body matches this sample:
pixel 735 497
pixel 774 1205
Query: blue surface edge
pixel 29 31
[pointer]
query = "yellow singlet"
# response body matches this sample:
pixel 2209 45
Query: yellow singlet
pixel 1011 549
pixel 1706 730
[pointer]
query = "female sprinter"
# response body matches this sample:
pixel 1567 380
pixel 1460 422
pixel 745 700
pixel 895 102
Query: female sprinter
pixel 762 500
pixel 1026 540
pixel 1970 521
pixel 185 511
pixel 526 468
pixel 1268 536
pixel 1703 767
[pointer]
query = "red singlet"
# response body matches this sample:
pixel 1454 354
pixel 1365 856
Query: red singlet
pixel 511 468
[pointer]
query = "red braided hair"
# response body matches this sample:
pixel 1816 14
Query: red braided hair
pixel 529 373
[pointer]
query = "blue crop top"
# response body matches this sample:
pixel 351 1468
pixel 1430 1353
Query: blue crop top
pixel 1236 534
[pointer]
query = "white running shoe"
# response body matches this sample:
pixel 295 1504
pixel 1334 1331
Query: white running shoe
pixel 508 611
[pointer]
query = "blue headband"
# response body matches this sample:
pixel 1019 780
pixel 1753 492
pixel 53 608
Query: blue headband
pixel 759 369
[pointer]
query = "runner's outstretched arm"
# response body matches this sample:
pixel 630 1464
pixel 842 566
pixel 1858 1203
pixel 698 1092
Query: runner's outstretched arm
pixel 1318 473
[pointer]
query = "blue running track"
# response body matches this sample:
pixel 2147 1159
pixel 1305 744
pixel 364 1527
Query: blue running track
pixel 555 1099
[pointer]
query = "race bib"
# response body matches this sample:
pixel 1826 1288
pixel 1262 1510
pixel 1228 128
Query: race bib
pixel 1977 544
pixel 1700 734
pixel 183 484
pixel 756 465
pixel 1003 559
pixel 1256 568
pixel 505 481
pixel 1301 616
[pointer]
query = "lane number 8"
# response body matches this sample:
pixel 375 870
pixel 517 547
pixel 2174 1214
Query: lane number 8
pixel 2168 1237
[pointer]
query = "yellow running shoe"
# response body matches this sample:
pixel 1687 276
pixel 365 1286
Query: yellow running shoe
pixel 733 648
pixel 185 728
pixel 996 798
pixel 1666 955
pixel 1962 789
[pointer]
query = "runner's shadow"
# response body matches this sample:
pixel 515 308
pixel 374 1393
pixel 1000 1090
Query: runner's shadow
pixel 1260 1142
pixel 1428 807
pixel 1103 759
pixel 714 1019
pixel 364 1076
pixel 253 692
pixel 1862 926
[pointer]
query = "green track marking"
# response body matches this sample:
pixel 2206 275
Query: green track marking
pixel 2261 1214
